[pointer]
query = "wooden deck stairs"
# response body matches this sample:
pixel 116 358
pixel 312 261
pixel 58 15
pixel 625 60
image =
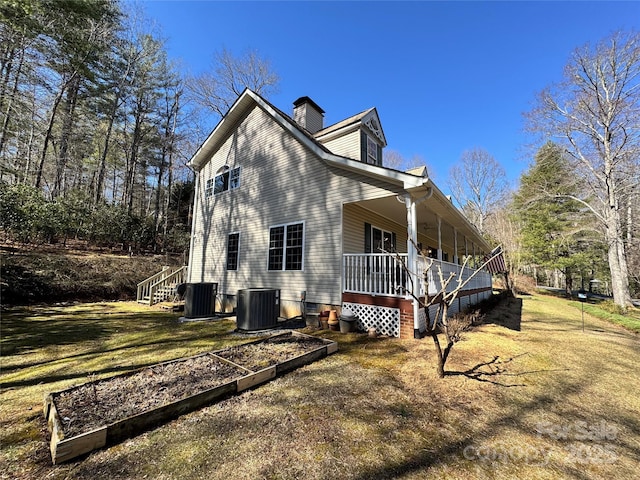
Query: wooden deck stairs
pixel 161 287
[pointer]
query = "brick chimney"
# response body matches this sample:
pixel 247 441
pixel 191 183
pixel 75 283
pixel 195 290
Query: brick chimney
pixel 308 114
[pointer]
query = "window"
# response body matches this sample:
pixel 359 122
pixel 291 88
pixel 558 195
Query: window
pixel 208 191
pixel 234 178
pixel 285 247
pixel 372 151
pixel 229 179
pixel 233 247
pixel 382 241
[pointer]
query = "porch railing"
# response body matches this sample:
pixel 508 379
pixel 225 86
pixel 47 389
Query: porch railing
pixel 384 274
pixel 434 285
pixel 375 274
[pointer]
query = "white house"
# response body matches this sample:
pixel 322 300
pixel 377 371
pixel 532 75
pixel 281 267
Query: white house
pixel 285 202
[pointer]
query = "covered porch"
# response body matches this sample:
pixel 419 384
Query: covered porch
pixel 406 241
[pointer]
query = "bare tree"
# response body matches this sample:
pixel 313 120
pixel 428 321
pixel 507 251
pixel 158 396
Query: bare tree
pixel 478 184
pixel 394 159
pixel 441 323
pixel 503 228
pixel 594 113
pixel 218 89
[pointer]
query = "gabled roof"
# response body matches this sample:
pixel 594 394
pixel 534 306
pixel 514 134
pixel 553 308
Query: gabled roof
pixel 249 99
pixel 369 119
pixel 343 123
pixel 414 181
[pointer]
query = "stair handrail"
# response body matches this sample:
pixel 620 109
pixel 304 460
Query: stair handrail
pixel 177 274
pixel 145 285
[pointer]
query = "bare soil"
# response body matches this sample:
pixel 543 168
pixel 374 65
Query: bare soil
pixel 256 356
pixel 95 404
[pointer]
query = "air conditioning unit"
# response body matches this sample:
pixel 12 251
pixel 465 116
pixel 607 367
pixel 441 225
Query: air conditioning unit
pixel 200 300
pixel 257 309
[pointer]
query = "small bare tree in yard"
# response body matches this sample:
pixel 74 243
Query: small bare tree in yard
pixel 441 323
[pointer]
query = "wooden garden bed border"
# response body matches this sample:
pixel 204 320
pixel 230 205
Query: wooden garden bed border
pixel 63 449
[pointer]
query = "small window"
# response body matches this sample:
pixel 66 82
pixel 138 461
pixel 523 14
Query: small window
pixel 372 151
pixel 208 191
pixel 233 248
pixel 234 178
pixel 286 247
pixel 227 180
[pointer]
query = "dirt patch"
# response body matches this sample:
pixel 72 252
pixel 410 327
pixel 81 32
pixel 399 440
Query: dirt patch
pixel 95 404
pixel 256 356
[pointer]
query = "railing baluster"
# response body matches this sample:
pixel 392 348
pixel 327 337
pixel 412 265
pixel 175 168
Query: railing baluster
pixel 381 274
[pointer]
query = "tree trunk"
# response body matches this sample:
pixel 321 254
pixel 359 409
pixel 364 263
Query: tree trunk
pixel 59 186
pixel 440 356
pixel 568 282
pixel 8 107
pixel 99 185
pixel 132 167
pixel 618 270
pixel 47 137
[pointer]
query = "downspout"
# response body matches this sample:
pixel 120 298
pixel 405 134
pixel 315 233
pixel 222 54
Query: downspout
pixel 196 193
pixel 412 241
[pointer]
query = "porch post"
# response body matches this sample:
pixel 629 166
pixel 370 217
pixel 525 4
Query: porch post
pixel 455 245
pixel 439 239
pixel 412 240
pixel 412 263
pixel 474 255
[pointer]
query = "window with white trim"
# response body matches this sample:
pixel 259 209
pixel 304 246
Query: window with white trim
pixel 208 190
pixel 233 249
pixel 286 244
pixel 228 179
pixel 382 241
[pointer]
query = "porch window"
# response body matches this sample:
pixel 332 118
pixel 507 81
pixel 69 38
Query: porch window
pixel 286 247
pixel 233 248
pixel 378 240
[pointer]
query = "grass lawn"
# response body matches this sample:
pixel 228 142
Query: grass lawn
pixel 528 395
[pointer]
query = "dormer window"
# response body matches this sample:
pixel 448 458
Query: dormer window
pixel 372 151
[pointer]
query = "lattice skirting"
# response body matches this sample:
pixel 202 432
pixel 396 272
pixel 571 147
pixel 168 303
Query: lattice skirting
pixel 385 320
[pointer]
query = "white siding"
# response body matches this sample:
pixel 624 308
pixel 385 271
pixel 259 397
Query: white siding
pixel 281 182
pixel 346 146
pixel 354 219
pixel 308 117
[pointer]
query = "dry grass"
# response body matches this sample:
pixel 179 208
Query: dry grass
pixel 522 393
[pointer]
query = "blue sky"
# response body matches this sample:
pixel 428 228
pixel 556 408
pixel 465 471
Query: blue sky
pixel 444 76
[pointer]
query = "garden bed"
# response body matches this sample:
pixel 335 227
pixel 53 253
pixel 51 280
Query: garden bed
pixel 104 412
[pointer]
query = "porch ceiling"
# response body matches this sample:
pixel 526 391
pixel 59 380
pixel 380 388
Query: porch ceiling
pixel 428 212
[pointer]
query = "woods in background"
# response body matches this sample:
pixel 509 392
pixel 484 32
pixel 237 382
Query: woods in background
pixel 97 123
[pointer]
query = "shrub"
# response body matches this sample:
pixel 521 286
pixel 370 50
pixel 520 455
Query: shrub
pixel 612 307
